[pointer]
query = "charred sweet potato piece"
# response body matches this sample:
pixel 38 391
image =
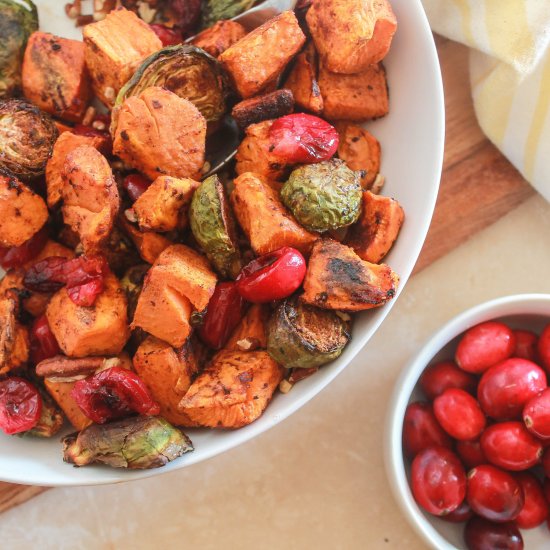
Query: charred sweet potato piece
pixel 264 219
pixel 337 278
pixel 350 35
pixel 302 81
pixel 233 391
pixel 254 154
pixel 149 245
pixel 114 47
pixel 354 97
pixel 168 374
pixel 257 109
pixel 55 77
pixel 65 143
pixel 377 229
pixel 22 211
pixel 61 394
pixel 179 281
pixel 163 206
pixel 90 196
pixel 160 133
pixel 101 329
pixel 14 337
pixel 259 58
pixel 360 150
pixel 250 334
pixel 222 35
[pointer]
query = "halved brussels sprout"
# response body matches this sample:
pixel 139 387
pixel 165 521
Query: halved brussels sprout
pixel 132 283
pixel 139 442
pixel 51 419
pixel 215 10
pixel 18 20
pixel 213 227
pixel 299 335
pixel 323 196
pixel 187 71
pixel 27 137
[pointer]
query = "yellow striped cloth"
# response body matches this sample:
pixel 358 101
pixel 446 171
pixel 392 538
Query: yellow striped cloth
pixel 509 73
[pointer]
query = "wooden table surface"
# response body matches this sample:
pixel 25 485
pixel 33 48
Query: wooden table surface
pixel 478 187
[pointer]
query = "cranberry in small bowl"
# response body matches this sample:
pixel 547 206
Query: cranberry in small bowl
pixel 474 381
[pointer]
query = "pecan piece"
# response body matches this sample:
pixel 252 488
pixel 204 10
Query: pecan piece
pixel 67 367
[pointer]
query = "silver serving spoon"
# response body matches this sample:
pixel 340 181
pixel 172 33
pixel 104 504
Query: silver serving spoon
pixel 222 146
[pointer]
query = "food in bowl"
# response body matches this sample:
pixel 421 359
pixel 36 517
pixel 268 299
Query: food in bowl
pixel 142 297
pixel 477 443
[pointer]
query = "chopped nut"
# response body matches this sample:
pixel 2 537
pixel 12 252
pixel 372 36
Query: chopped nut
pixel 89 116
pixel 82 20
pixel 344 316
pixel 206 167
pixel 130 215
pixel 60 366
pixel 298 374
pixel 285 386
pixel 248 344
pixel 109 93
pixel 73 10
pixel 146 12
pixel 378 184
pixel 99 125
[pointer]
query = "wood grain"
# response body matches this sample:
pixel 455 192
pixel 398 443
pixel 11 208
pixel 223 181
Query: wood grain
pixel 478 187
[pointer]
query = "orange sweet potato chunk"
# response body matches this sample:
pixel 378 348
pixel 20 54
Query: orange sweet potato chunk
pixel 251 331
pixel 256 60
pixel 55 77
pixel 264 219
pixel 61 394
pixel 222 35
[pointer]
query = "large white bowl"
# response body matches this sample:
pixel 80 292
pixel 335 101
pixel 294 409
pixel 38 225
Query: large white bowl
pixel 412 140
pixel 529 311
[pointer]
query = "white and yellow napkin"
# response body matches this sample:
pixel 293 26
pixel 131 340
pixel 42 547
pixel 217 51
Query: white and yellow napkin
pixel 509 73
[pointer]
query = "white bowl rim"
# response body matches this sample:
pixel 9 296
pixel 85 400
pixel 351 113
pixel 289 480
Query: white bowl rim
pixel 517 304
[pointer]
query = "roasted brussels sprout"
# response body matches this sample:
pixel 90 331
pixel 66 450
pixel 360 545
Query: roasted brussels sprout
pixel 303 336
pixel 323 196
pixel 51 419
pixel 213 227
pixel 27 137
pixel 137 443
pixel 18 20
pixel 187 71
pixel 215 10
pixel 132 283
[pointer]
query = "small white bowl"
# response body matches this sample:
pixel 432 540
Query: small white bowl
pixel 530 311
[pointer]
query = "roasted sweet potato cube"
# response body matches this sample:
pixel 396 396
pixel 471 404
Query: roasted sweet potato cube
pixel 233 391
pixel 302 81
pixel 254 154
pixel 377 229
pixel 163 206
pixel 179 281
pixel 360 150
pixel 66 143
pixel 61 394
pixel 22 212
pixel 101 329
pixel 90 196
pixel 264 219
pixel 260 57
pixel 160 133
pixel 55 77
pixel 350 35
pixel 257 109
pixel 337 278
pixel 250 334
pixel 14 337
pixel 222 35
pixel 168 374
pixel 148 244
pixel 354 97
pixel 114 48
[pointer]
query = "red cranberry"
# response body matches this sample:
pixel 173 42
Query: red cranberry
pixel 441 376
pixel 535 509
pixel 526 345
pixel 459 414
pixel 481 534
pixel 471 453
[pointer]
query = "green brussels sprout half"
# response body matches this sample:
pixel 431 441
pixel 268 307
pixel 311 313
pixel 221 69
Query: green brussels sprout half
pixel 18 20
pixel 132 283
pixel 213 227
pixel 215 10
pixel 51 419
pixel 323 196
pixel 187 71
pixel 303 336
pixel 27 137
pixel 137 443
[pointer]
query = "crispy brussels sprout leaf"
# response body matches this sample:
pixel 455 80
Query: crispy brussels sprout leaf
pixel 323 196
pixel 215 10
pixel 187 71
pixel 132 283
pixel 18 20
pixel 213 227
pixel 137 443
pixel 27 137
pixel 303 336
pixel 50 422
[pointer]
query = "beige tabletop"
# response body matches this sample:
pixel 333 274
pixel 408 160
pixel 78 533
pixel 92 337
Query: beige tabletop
pixel 317 480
